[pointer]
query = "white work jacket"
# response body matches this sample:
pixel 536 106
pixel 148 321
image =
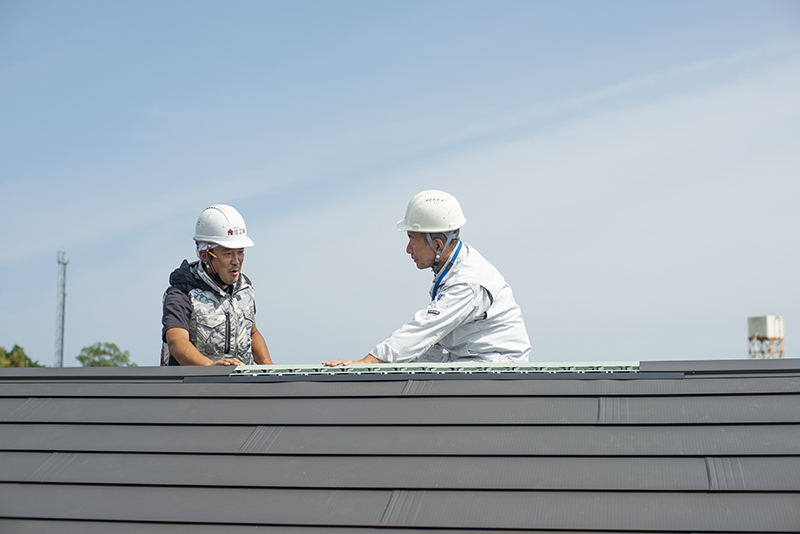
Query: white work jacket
pixel 472 317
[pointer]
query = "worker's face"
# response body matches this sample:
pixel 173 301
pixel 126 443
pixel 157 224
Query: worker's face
pixel 227 263
pixel 421 252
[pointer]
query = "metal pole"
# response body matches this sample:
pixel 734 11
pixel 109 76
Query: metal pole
pixel 63 259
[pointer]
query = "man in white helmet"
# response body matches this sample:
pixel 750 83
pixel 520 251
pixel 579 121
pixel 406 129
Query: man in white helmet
pixel 472 315
pixel 210 308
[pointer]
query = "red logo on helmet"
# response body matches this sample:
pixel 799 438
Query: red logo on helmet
pixel 230 232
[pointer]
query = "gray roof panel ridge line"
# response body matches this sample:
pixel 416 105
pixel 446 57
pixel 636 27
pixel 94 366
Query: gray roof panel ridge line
pixel 105 374
pixel 744 365
pixel 417 385
pixel 17 526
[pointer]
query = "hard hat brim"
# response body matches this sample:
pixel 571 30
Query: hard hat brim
pixel 403 227
pixel 238 242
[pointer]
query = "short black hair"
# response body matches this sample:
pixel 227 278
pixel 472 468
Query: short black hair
pixel 443 236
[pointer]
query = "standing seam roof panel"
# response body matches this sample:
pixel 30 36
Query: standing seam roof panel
pixel 497 440
pixel 410 410
pixel 733 512
pixel 481 473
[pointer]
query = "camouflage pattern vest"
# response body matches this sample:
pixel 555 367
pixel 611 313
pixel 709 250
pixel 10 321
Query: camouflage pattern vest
pixel 220 323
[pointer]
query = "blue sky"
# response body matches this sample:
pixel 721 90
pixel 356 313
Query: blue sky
pixel 630 167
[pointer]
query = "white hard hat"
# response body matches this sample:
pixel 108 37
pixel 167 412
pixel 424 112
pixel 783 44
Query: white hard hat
pixel 222 225
pixel 432 211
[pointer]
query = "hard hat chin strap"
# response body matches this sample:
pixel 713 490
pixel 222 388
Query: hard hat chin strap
pixel 449 235
pixel 210 269
pixel 206 246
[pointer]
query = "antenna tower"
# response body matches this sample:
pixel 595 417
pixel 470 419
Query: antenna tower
pixel 63 259
pixel 765 337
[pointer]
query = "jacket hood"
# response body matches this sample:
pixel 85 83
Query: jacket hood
pixel 185 277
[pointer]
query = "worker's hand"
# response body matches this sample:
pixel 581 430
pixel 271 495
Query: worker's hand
pixel 340 363
pixel 227 361
pixel 369 358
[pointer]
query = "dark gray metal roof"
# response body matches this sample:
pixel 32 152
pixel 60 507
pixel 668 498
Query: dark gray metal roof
pixel 651 447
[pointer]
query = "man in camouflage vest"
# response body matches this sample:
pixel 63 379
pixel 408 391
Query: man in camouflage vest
pixel 209 313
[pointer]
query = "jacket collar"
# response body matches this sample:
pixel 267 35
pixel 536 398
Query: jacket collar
pixel 201 273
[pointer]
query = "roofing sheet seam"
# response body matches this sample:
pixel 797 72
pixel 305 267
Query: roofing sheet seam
pixel 466 491
pixel 414 387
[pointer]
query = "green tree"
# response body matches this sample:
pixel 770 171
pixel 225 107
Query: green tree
pixel 104 355
pixel 16 358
